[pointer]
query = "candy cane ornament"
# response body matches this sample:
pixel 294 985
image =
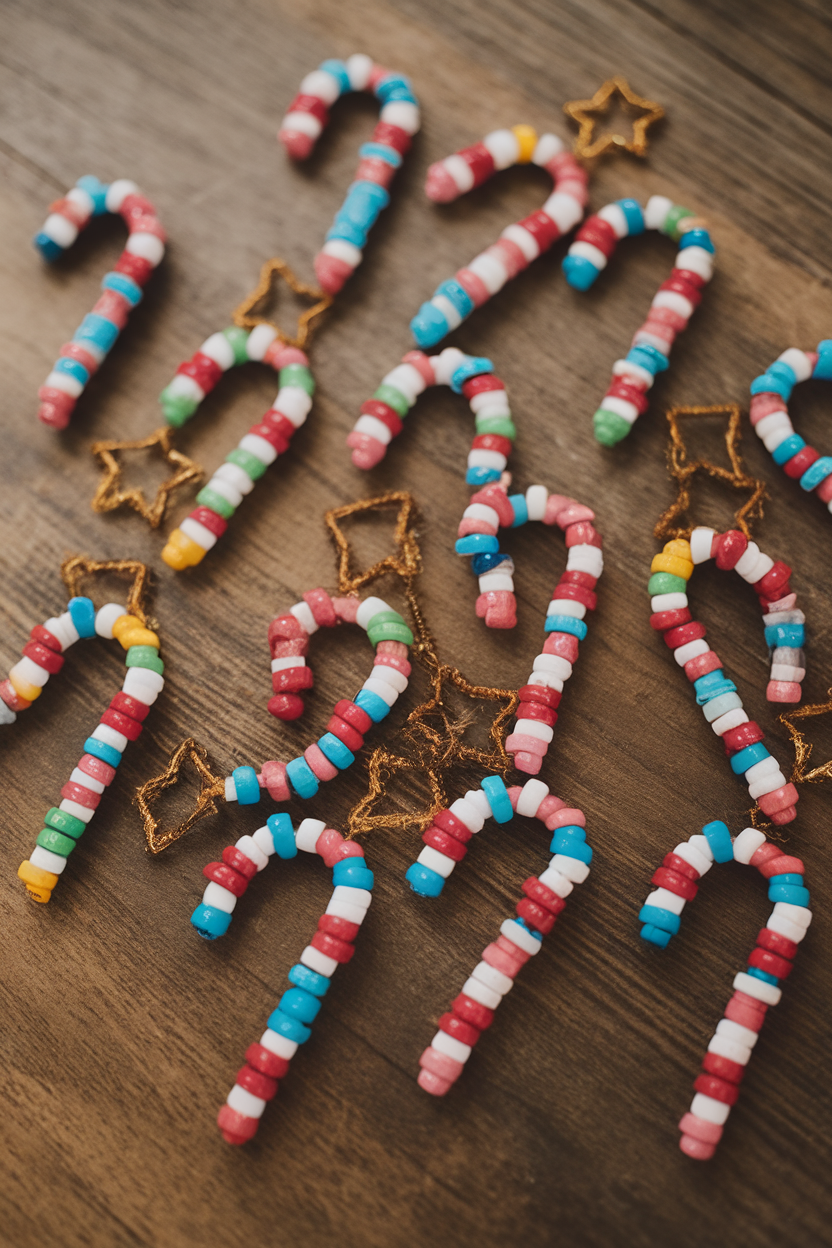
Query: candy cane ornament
pixel 122 287
pixel 520 243
pixel 670 311
pixel 756 988
pixel 769 414
pixel 715 693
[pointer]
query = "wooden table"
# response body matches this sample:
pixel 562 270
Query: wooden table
pixel 121 1030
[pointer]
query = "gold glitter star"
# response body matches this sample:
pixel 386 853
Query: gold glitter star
pixel 580 110
pixel 77 568
pixel 802 747
pixel 244 314
pixel 211 788
pixel 109 495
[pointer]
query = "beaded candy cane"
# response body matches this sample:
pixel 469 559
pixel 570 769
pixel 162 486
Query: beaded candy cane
pixel 122 287
pixel 756 988
pixel 770 394
pixel 715 693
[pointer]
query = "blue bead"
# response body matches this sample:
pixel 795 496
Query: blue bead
pixel 283 835
pixel 99 749
pixel 394 87
pixel 789 877
pixel 473 366
pixel 336 751
pixel 565 624
pixel 348 232
pixel 423 881
pixel 481 564
pixel 696 238
pixel 635 217
pixel 48 248
pixel 719 839
pixel 302 977
pixel 816 472
pixel 571 847
pixel 210 922
pixel 498 799
pixel 475 543
pixel 648 357
pixel 338 70
pixel 482 476
pixel 792 893
pixel 788 448
pixel 124 285
pixel 97 192
pixel 712 685
pixel 98 330
pixel 299 1004
pixel 71 368
pixel 457 295
pixel 380 151
pixel 659 917
pixel 784 371
pixel 375 706
pixel 655 935
pixel 790 635
pixel 520 508
pixel 352 873
pixel 301 777
pixel 823 368
pixel 579 272
pixel 531 930
pixel 763 975
pixel 574 830
pixel 247 785
pixel 83 616
pixel 364 201
pixel 770 383
pixel 291 1028
pixel 429 325
pixel 743 759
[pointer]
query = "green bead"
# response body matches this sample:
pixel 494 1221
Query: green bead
pixel 56 842
pixel 63 821
pixel 210 498
pixel 298 375
pixel 177 409
pixel 238 338
pixel 390 632
pixel 609 427
pixel 666 583
pixel 671 225
pixel 393 398
pixel 497 424
pixel 145 656
pixel 248 462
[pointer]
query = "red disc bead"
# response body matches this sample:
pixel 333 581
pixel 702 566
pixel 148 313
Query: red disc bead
pixel 481 383
pixel 472 1012
pixel 236 1128
pixel 572 577
pixel 226 877
pixel 285 706
pixel 777 943
pixel 279 423
pixel 340 928
pixel 537 710
pixel 338 950
pixel 738 738
pixel 204 371
pixel 394 136
pixel 44 657
pixel 492 442
pixel 542 229
pixel 719 1089
pixel 771 963
pixel 674 863
pixel 764 854
pixel 479 160
pixel 237 860
pixel 539 693
pixel 450 824
pixel 12 698
pixel 341 729
pixel 701 664
pixel 798 464
pixel 538 918
pixel 272 436
pixel 457 1027
pixel 134 266
pixel 81 794
pixel 353 715
pixel 582 533
pixel 256 1083
pixel 125 724
pixel 312 104
pixel 723 1067
pixel 730 548
pixel 292 679
pixel 266 1062
pixel 784 864
pixel 660 620
pixel 538 892
pixel 43 635
pixel 676 883
pixel 444 843
pixel 210 520
pixel 769 585
pixel 621 389
pixel 680 636
pixel 599 233
pixel 383 412
pixel 576 593
pixel 128 705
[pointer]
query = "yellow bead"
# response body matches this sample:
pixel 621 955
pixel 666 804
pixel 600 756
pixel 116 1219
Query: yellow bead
pixel 527 138
pixel 124 623
pixel 22 687
pixel 39 882
pixel 672 564
pixel 678 547
pixel 181 552
pixel 138 637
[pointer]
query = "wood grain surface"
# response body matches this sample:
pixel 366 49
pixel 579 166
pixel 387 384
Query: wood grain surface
pixel 121 1031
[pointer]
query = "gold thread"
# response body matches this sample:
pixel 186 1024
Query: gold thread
pixel 76 568
pixel 802 747
pixel 588 147
pixel 245 317
pixel 211 787
pixel 109 495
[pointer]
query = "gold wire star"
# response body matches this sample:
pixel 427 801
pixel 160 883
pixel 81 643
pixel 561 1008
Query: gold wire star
pixel 245 316
pixel 109 495
pixel 76 568
pixel 580 110
pixel 211 788
pixel 802 747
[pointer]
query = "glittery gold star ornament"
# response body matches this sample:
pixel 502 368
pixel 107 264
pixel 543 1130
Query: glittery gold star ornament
pixel 77 568
pixel 802 747
pixel 109 496
pixel 275 270
pixel 585 113
pixel 211 788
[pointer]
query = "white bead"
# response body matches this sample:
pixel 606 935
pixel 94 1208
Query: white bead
pixel 693 857
pixel 747 559
pixel 757 988
pixel 60 229
pixel 554 664
pixel 226 490
pixel 109 736
pixel 490 403
pixel 305 617
pixel 317 961
pixel 723 1047
pixel 294 403
pixel 731 719
pixel 30 672
pixel 521 238
pixel 368 608
pixel 281 1046
pixel 82 200
pixel 796 914
pixel 259 341
pixel 735 1031
pixel 259 447
pixel 391 675
pixel 547 147
pixel 198 533
pixel 402 114
pixel 62 381
pixel 302 123
pixel 668 602
pixel 477 991
pixel 306 837
pixel 218 349
pixel 696 260
pixel 707 1107
pixel 77 776
pixel 798 362
pixel 747 844
pixel 381 689
pixel 641 377
pixel 702 846
pixel 613 214
pixel 666 900
pixel 117 192
pixel 248 846
pixel 468 813
pixel 584 558
pixel 492 978
pixel 692 650
pixel 486 459
pixel 264 841
pixel 503 146
pixel 342 250
pixel 491 581
pixel 75 808
pixel 477 799
pixel 185 387
pixel 321 84
pixel 566 606
pixel 460 171
pixel 446 363
pixel 47 861
pixel 701 540
pixel 146 246
pixel 557 881
pixel 352 896
pixel 573 868
pixel 773 439
pixel 219 897
pixel 676 302
pixel 537 496
pixel 564 210
pixel 656 210
pixel 359 67
pixel 766 784
pixel 534 728
pixel 143 684
pixel 490 271
pixel 785 927
pixel 436 861
pixel 343 910
pixel 480 511
pixel 443 1043
pixel 58 629
pixel 520 936
pixel 588 251
pixel 622 407
pixel 531 795
pixel 407 379
pixel 245 1102
pixel 288 660
pixel 106 617
pixel 775 422
pixel 761 568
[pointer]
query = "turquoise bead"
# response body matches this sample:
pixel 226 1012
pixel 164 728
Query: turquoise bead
pixel 98 330
pixel 657 916
pixel 656 935
pixel 283 835
pixel 579 272
pixel 571 847
pixel 301 777
pixel 299 1004
pixel 123 285
pixel 107 753
pixel 337 70
pixel 791 893
pixel 633 214
pixel 763 975
pixel 520 508
pixel 291 1028
pixel 423 881
pixel 743 759
pixel 788 448
pixel 247 785
pixel 72 368
pixel 83 616
pixel 336 751
pixel 565 624
pixel 648 357
pixel 429 325
pixel 352 874
pixel 473 366
pixel 97 192
pixel 498 799
pixel 48 248
pixel 457 296
pixel 476 544
pixel 816 472
pixel 210 922
pixel 302 977
pixel 719 839
pixel 374 706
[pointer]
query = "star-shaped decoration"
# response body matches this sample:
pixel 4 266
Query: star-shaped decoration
pixel 683 470
pixel 110 495
pixel 802 747
pixel 76 569
pixel 211 788
pixel 273 270
pixel 584 113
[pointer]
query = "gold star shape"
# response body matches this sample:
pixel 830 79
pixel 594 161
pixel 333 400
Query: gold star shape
pixel 76 568
pixel 272 271
pixel 211 788
pixel 109 496
pixel 581 111
pixel 802 747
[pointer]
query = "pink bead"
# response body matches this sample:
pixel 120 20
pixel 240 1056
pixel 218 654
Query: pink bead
pixel 763 405
pixel 372 169
pixel 74 351
pixel 657 329
pixel 509 255
pixel 440 1064
pixel 331 272
pixel 440 186
pixel 429 1082
pixel 498 607
pixel 56 407
pixel 321 606
pixel 783 816
pixel 320 764
pixel 563 644
pixel 824 490
pixel 555 504
pixel 376 74
pixel 667 316
pixel 97 768
pixel 297 145
pixel 697 1149
pixel 737 1012
pixel 367 451
pixel 346 609
pixel 297 647
pixel 396 650
pixel 567 817
pixel 422 364
pixel 783 691
pixel 514 795
pixel 782 604
pixel 476 526
pixel 279 355
pixel 699 1129
pixel 509 947
pixel 328 845
pixel 273 778
pixel 501 960
pixel 573 513
pixel 525 743
pixel 549 806
pixel 780 799
pixel 530 764
pixel 390 660
pixel 473 285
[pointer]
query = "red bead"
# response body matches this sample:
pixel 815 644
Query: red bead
pixel 783 864
pixel 798 464
pixel 44 657
pixel 383 412
pixel 12 698
pixel 481 383
pixel 583 533
pixel 205 371
pixel 81 794
pixel 764 854
pixel 730 548
pixel 134 266
pixel 539 693
pixel 777 943
pixel 292 679
pixel 457 1027
pixel 493 496
pixel 135 206
pixel 312 104
pixel 621 389
pixel 338 950
pixel 676 883
pixel 211 521
pixel 674 863
pixel 320 604
pixel 599 233
pixel 226 877
pixel 576 593
pixel 479 160
pixel 680 283
pixel 341 729
pixel 279 423
pixel 723 1067
pixel 492 442
pixel 43 635
pixel 129 706
pixel 272 436
pixel 738 738
pixel 660 620
pixel 773 579
pixel 765 960
pixel 539 919
pixel 97 769
pixel 586 579
pixel 680 636
pixel 564 644
pixel 394 136
pixel 353 715
pixel 472 1012
pixel 125 724
pixel 340 929
pixel 236 1128
pixel 237 860
pixel 542 228
pixel 285 706
pixel 256 1083
pixel 286 628
pixel 537 710
pixel 701 664
pixel 538 892
pixel 453 826
pixel 444 843
pixel 719 1089
pixel 266 1062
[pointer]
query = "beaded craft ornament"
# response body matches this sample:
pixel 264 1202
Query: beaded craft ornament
pixel 770 394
